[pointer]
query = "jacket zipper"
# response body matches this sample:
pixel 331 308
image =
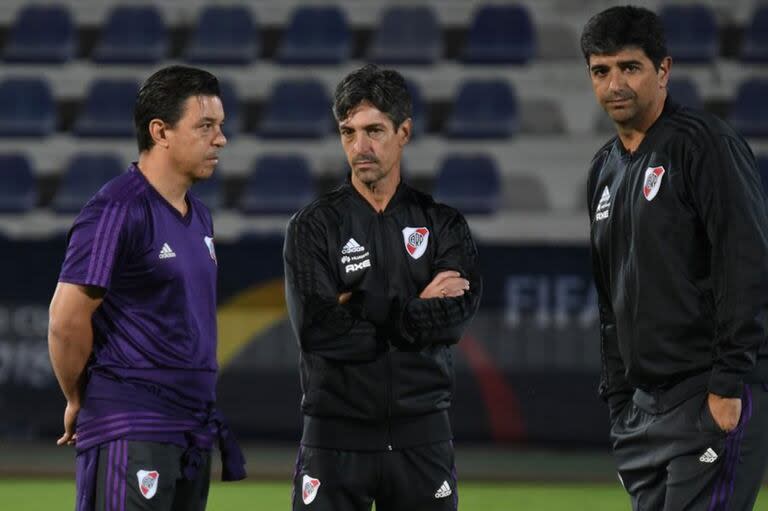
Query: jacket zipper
pixel 380 260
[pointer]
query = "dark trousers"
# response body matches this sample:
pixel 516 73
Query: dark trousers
pixel 672 455
pixel 140 476
pixel 419 478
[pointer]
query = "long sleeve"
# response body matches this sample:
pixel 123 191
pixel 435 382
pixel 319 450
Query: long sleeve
pixel 614 387
pixel 321 325
pixel 444 320
pixel 727 192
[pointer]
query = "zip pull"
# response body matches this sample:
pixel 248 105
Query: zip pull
pixel 389 447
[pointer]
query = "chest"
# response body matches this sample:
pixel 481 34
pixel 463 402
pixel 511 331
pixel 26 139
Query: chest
pixel 169 249
pixel 399 249
pixel 641 198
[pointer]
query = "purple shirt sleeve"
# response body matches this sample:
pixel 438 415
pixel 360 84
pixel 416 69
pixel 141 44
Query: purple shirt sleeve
pixel 94 244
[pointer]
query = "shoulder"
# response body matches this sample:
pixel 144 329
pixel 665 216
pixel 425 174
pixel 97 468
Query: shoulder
pixel 120 198
pixel 324 210
pixel 699 129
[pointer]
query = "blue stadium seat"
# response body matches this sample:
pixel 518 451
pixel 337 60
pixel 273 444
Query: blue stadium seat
pixel 297 109
pixel 691 32
pixel 471 184
pixel 500 34
pixel 683 90
pixel 108 109
pixel 278 185
pixel 41 34
pixel 407 35
pixel 224 35
pixel 27 108
pixel 484 109
pixel 316 35
pixel 749 114
pixel 233 117
pixel 210 191
pixel 132 35
pixel 18 188
pixel 84 176
pixel 754 47
pixel 762 168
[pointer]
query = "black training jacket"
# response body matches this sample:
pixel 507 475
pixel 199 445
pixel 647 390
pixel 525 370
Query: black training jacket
pixel 377 372
pixel 680 257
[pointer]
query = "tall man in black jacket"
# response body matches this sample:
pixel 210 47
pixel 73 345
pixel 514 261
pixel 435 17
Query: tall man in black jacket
pixel 680 254
pixel 380 282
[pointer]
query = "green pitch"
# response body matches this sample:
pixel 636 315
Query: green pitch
pixel 55 495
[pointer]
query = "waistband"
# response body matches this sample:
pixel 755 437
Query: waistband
pixel 103 420
pixel 397 433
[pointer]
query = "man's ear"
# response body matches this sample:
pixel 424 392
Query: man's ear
pixel 157 130
pixel 405 130
pixel 664 68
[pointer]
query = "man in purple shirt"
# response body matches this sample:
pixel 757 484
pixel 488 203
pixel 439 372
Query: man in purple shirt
pixel 132 331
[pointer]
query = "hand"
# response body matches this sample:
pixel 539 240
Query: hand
pixel 70 417
pixel 446 284
pixel 344 297
pixel 725 410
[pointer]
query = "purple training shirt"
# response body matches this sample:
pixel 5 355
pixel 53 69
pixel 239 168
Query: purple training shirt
pixel 153 372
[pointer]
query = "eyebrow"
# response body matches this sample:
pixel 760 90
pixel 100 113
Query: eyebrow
pixel 620 63
pixel 366 127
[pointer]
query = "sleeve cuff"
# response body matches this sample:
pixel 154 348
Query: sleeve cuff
pixel 725 385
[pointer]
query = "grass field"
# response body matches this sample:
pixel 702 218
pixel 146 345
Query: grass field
pixel 58 495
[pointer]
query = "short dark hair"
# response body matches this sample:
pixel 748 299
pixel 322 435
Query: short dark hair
pixel 163 94
pixel 616 28
pixel 383 88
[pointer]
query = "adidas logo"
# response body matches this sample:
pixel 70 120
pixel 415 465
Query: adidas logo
pixel 166 252
pixel 709 456
pixel 352 247
pixel 602 211
pixel 443 491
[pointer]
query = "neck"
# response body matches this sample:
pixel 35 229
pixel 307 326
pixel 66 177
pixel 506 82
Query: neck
pixel 633 133
pixel 379 193
pixel 171 185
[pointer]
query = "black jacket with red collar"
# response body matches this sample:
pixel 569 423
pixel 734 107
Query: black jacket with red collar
pixel 680 257
pixel 377 372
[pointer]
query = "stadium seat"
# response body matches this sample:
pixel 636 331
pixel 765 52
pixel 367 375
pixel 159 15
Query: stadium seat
pixel 18 188
pixel 132 35
pixel 297 109
pixel 484 109
pixel 500 35
pixel 471 184
pixel 525 193
pixel 41 34
pixel 691 32
pixel 755 44
pixel 108 109
pixel 224 35
pixel 210 191
pixel 683 90
pixel 27 108
pixel 278 185
pixel 316 35
pixel 407 35
pixel 233 111
pixel 749 114
pixel 84 176
pixel 762 168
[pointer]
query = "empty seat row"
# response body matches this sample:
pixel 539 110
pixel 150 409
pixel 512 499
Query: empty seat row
pixel 230 35
pixel 295 109
pixel 277 184
pixel 321 35
pixel 301 109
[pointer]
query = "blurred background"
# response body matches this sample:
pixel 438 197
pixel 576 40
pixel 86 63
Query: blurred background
pixel 505 127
